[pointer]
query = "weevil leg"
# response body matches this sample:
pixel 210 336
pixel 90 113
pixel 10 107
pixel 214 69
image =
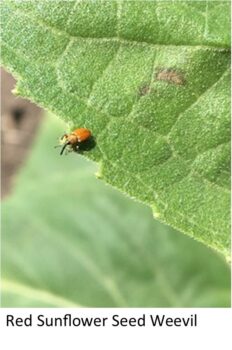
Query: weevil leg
pixel 64 147
pixel 68 150
pixel 75 148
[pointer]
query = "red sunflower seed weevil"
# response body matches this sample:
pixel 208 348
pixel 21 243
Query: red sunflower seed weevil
pixel 76 138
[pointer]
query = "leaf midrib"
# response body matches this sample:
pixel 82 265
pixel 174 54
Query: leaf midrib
pixel 115 38
pixel 37 294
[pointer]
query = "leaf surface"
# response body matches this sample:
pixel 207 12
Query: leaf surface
pixel 150 79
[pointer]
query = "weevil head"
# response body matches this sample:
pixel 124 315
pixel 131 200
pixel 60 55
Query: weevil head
pixel 63 139
pixel 64 142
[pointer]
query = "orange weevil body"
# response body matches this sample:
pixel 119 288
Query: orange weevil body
pixel 76 138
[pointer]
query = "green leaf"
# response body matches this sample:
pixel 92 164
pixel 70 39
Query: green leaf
pixel 68 240
pixel 150 79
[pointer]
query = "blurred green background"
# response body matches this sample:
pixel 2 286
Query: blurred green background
pixel 69 239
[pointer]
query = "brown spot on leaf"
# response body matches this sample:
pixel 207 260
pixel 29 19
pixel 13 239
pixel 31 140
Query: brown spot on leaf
pixel 144 90
pixel 171 76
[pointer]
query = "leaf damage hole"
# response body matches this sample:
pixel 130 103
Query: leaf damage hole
pixel 171 76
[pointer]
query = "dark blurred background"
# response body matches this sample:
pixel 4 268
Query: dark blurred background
pixel 20 120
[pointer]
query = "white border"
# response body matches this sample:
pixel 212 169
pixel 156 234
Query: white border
pixel 213 330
